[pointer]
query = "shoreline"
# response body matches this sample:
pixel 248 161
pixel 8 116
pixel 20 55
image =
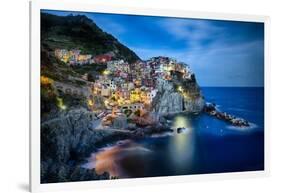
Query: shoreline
pixel 70 137
pixel 212 110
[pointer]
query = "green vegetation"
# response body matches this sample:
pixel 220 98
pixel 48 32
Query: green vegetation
pixel 128 112
pixel 72 101
pixel 88 68
pixel 75 32
pixel 53 68
pixel 79 32
pixel 48 99
pixel 137 112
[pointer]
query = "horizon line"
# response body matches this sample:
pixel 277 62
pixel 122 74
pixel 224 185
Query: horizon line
pixel 235 86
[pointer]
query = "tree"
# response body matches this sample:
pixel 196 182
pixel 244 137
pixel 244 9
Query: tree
pixel 137 112
pixel 90 77
pixel 128 112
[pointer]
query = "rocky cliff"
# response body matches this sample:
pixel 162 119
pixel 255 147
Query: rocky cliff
pixel 169 100
pixel 68 139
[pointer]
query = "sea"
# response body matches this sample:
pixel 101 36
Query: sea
pixel 207 145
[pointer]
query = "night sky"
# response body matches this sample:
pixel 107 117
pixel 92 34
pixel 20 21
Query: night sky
pixel 221 53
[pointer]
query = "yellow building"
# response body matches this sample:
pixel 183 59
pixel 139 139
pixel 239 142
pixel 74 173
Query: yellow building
pixel 46 80
pixel 105 92
pixel 135 95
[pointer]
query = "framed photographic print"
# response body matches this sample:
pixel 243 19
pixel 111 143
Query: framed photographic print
pixel 135 96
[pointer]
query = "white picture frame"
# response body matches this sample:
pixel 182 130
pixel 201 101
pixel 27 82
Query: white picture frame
pixel 37 5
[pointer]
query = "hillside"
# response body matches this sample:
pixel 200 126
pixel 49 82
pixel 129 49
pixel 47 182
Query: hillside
pixel 80 32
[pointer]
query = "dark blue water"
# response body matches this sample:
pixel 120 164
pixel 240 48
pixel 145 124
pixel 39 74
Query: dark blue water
pixel 208 145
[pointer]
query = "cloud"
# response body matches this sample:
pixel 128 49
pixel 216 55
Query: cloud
pixel 221 53
pixel 195 33
pixel 218 56
pixel 192 30
pixel 221 64
pixel 230 65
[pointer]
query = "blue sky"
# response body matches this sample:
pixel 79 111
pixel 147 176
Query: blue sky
pixel 221 53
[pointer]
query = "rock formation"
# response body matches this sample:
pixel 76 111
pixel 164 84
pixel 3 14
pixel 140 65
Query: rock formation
pixel 170 101
pixel 70 138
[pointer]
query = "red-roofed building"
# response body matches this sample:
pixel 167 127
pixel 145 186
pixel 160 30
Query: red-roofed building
pixel 103 58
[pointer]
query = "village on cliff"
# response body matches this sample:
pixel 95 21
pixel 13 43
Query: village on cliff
pixel 121 89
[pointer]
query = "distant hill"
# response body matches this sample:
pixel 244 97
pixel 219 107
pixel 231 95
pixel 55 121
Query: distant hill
pixel 80 32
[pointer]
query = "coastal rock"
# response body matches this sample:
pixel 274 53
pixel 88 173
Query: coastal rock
pixel 120 122
pixel 53 172
pixel 180 129
pixel 70 137
pixel 195 105
pixel 72 134
pixel 169 101
pixel 149 130
pixel 82 174
pixel 235 121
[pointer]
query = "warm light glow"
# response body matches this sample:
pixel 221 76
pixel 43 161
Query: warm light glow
pixel 180 121
pixel 121 101
pixel 46 80
pixel 182 145
pixel 106 72
pixel 106 102
pixel 90 102
pixel 135 96
pixel 180 89
pixel 60 104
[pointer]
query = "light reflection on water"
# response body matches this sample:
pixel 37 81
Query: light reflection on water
pixel 132 159
pixel 181 146
pixel 206 145
pixel 123 159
